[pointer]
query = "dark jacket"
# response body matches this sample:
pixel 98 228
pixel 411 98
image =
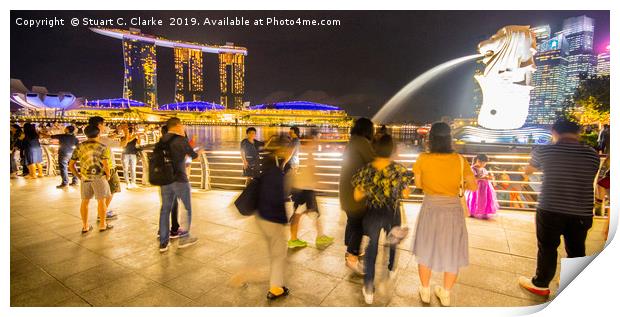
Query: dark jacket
pixel 179 149
pixel 357 154
pixel 271 193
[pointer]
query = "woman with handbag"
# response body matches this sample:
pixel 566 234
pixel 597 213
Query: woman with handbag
pixel 383 182
pixel 440 242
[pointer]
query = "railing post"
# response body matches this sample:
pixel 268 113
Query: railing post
pixel 145 167
pixel 204 164
pixel 51 165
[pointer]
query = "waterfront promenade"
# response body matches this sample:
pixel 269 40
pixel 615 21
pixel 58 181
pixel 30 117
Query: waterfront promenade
pixel 53 264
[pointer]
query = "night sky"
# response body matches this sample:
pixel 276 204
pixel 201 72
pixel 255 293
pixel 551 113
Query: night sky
pixel 358 65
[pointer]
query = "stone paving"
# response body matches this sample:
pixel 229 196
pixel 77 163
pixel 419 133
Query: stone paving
pixel 53 264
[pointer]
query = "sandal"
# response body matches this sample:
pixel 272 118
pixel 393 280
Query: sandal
pixel 272 296
pixel 107 227
pixel 90 228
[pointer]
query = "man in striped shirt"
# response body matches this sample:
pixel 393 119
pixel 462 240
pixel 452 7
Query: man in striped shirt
pixel 565 203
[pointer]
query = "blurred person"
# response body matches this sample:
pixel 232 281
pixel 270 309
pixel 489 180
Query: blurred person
pixel 381 132
pixel 357 154
pixel 482 203
pixel 94 174
pixel 565 203
pixel 250 148
pixel 16 132
pixel 176 142
pixel 67 143
pixel 441 241
pixel 604 140
pixel 175 228
pixel 130 143
pixel 113 182
pixel 33 152
pixel 304 183
pixel 383 182
pixel 271 220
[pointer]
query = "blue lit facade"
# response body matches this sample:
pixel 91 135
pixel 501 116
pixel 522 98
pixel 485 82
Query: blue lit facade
pixel 296 105
pixel 194 106
pixel 117 103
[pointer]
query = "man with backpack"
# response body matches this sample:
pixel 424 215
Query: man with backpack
pixel 167 170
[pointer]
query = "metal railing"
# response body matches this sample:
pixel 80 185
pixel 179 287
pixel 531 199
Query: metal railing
pixel 224 170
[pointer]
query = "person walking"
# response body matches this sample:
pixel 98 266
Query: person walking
pixel 565 203
pixel 271 220
pixel 33 152
pixel 357 154
pixel 482 203
pixel 441 242
pixel 67 143
pixel 94 173
pixel 304 183
pixel 176 142
pixel 250 148
pixel 384 182
pixel 130 156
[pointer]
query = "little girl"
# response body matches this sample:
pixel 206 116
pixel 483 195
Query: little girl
pixel 482 203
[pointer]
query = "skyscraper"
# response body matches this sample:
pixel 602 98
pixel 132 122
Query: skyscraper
pixel 189 75
pixel 232 77
pixel 579 33
pixel 602 63
pixel 140 77
pixel 549 79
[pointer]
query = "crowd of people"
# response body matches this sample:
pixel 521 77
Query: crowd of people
pixel 371 188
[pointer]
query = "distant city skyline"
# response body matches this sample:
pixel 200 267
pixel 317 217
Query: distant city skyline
pixel 358 65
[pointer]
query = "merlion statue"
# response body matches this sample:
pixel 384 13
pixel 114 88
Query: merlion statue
pixel 509 60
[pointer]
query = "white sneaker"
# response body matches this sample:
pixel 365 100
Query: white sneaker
pixel 443 295
pixel 368 296
pixel 425 294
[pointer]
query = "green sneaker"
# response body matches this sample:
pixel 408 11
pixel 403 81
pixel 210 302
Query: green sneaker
pixel 323 242
pixel 292 244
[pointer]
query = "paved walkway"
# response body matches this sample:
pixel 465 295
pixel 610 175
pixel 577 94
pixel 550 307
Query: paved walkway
pixel 52 264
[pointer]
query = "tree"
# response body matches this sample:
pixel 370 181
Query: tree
pixel 590 102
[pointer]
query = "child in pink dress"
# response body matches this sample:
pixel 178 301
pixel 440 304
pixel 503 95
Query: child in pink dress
pixel 482 203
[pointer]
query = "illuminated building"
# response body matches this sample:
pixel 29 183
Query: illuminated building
pixel 602 63
pixel 549 80
pixel 141 68
pixel 189 78
pixel 579 33
pixel 232 77
pixel 191 106
pixel 140 77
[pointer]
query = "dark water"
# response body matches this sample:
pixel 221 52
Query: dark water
pixel 229 137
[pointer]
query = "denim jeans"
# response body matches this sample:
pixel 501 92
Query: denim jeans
pixel 129 168
pixel 169 193
pixel 375 220
pixel 354 231
pixel 63 165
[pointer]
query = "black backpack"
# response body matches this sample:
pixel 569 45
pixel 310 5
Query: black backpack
pixel 161 169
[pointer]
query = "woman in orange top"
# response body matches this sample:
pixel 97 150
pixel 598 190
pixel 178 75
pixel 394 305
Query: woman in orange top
pixel 441 235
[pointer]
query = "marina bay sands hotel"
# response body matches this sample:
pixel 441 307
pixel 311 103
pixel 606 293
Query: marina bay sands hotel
pixel 140 76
